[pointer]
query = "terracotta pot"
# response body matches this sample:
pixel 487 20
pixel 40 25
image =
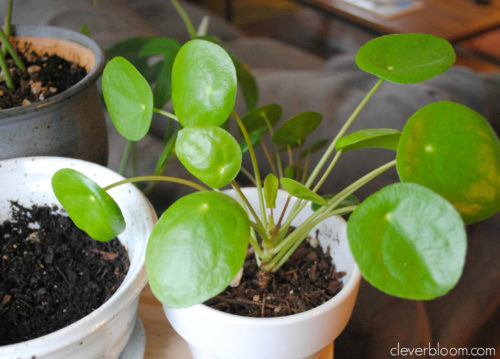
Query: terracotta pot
pixel 212 334
pixel 69 124
pixel 105 332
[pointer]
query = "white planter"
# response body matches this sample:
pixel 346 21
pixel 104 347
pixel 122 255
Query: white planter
pixel 212 334
pixel 104 332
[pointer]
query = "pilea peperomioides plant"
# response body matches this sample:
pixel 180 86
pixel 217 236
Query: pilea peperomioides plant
pixel 408 239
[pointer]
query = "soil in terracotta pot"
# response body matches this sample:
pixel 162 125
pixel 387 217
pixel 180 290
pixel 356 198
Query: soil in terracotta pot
pixel 52 273
pixel 307 279
pixel 45 76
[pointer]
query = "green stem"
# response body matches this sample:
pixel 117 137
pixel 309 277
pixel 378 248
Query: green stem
pixel 258 181
pixel 269 158
pixel 237 188
pixel 157 178
pixel 327 172
pixel 184 16
pixel 302 234
pixel 165 113
pixel 255 245
pixel 341 132
pixel 11 50
pixel 249 175
pixel 125 157
pixel 276 152
pixel 6 73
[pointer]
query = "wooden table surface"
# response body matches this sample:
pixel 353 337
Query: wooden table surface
pixel 162 342
pixel 454 20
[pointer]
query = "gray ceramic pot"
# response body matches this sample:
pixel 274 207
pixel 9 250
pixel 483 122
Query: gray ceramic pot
pixel 69 124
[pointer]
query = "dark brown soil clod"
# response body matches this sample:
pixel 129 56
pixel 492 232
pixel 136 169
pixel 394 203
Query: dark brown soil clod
pixel 307 279
pixel 52 273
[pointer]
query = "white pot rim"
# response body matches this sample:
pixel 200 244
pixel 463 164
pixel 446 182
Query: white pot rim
pixel 128 291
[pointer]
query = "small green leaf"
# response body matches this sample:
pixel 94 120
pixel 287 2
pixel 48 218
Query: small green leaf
pixel 315 146
pixel 290 171
pixel 168 149
pixel 128 98
pixel 203 84
pixel 296 128
pixel 257 118
pixel 84 29
pixel 196 248
pixel 91 208
pixel 386 138
pixel 168 48
pixel 246 83
pixel 209 153
pixel 271 185
pixel 408 241
pixel 255 137
pixel 300 191
pixel 406 58
pixel 454 151
pixel 350 200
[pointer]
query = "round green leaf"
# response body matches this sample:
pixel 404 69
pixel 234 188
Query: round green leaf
pixel 196 248
pixel 454 151
pixel 203 84
pixel 257 118
pixel 209 153
pixel 408 241
pixel 406 58
pixel 386 138
pixel 296 128
pixel 298 190
pixel 128 98
pixel 91 208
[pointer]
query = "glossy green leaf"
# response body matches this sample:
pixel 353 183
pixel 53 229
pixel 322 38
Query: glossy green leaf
pixel 91 208
pixel 258 117
pixel 209 153
pixel 255 137
pixel 298 190
pixel 386 138
pixel 196 248
pixel 203 84
pixel 454 151
pixel 271 185
pixel 350 200
pixel 296 128
pixel 315 146
pixel 408 241
pixel 168 48
pixel 128 98
pixel 406 58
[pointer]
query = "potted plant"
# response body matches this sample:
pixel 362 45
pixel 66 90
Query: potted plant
pixel 107 329
pixel 407 239
pixel 69 123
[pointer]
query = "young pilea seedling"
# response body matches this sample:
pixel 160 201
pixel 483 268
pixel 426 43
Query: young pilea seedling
pixel 408 239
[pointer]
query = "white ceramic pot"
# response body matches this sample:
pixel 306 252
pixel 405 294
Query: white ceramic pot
pixel 212 334
pixel 104 332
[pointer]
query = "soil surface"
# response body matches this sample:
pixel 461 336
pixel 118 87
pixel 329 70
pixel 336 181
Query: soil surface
pixel 306 280
pixel 52 273
pixel 45 76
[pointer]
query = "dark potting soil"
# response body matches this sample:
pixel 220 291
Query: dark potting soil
pixel 306 280
pixel 45 76
pixel 52 273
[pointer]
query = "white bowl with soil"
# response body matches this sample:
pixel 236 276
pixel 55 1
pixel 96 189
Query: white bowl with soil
pixel 104 332
pixel 213 334
pixel 69 123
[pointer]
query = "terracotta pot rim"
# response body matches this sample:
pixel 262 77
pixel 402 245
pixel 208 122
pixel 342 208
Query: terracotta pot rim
pixel 43 31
